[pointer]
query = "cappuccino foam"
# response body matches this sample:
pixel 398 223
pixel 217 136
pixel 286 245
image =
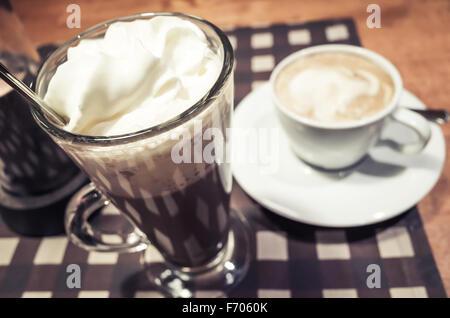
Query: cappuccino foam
pixel 334 87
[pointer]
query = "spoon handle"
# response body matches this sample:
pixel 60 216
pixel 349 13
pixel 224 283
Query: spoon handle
pixel 439 116
pixel 30 96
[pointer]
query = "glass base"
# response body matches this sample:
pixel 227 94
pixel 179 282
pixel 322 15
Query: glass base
pixel 215 278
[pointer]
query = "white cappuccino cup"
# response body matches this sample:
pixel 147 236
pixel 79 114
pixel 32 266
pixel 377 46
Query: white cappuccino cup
pixel 340 144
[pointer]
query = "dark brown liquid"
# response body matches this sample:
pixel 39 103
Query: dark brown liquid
pixel 191 226
pixel 183 208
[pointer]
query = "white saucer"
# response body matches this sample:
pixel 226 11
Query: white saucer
pixel 383 186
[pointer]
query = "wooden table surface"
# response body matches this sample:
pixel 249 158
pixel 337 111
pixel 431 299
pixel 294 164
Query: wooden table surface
pixel 414 35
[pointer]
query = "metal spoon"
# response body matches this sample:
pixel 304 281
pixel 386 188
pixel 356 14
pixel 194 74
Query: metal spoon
pixel 31 96
pixel 439 116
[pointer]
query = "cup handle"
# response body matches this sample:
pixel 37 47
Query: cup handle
pixel 416 123
pixel 82 205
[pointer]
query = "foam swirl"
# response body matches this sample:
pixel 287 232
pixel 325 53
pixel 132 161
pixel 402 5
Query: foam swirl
pixel 334 87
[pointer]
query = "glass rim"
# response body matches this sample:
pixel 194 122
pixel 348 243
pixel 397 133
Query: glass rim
pixel 192 111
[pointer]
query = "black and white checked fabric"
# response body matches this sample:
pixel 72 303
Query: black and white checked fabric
pixel 289 259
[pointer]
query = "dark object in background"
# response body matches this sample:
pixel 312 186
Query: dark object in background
pixel 39 215
pixel 36 177
pixel 5 4
pixel 30 162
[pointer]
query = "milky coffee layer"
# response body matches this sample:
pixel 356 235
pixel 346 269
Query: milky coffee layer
pixel 141 74
pixel 334 87
pixel 148 164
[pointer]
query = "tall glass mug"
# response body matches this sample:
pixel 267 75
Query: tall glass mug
pixel 169 181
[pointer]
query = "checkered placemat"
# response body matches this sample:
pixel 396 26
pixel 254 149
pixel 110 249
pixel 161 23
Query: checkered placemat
pixel 289 260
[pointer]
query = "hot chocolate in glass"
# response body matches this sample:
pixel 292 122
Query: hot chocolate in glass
pixel 183 209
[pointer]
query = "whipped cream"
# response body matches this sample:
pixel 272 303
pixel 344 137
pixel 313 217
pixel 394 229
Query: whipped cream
pixel 333 87
pixel 141 74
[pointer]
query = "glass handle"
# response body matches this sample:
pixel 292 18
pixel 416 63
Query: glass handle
pixel 82 208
